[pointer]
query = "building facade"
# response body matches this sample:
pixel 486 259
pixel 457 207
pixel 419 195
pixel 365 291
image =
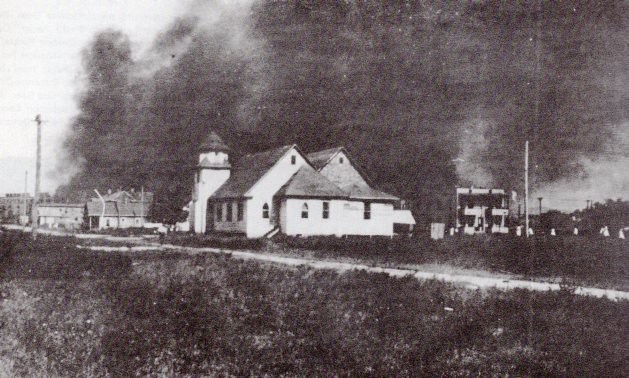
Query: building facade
pixel 121 209
pixel 284 190
pixel 16 207
pixel 481 211
pixel 61 215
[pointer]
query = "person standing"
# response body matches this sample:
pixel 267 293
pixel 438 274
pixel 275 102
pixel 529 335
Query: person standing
pixel 605 231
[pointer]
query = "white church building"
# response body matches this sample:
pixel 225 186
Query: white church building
pixel 284 190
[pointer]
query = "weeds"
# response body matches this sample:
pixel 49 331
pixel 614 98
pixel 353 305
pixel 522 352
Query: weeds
pixel 182 315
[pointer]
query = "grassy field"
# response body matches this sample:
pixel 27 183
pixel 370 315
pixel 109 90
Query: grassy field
pixel 67 312
pixel 587 261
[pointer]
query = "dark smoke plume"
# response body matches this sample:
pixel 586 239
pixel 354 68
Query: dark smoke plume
pixel 424 94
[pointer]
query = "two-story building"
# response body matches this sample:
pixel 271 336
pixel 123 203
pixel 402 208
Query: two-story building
pixel 481 210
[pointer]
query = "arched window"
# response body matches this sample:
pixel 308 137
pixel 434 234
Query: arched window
pixel 304 210
pixel 265 211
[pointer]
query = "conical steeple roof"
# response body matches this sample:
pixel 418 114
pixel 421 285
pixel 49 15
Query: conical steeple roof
pixel 214 143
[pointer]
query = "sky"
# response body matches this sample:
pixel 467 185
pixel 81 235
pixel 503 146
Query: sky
pixel 41 58
pixel 42 43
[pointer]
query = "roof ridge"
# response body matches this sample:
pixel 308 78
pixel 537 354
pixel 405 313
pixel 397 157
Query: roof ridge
pixel 269 150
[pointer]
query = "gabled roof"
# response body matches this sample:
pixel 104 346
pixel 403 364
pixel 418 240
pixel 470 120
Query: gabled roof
pixel 308 183
pixel 121 195
pixel 248 171
pixel 213 142
pixel 115 209
pixel 118 196
pixel 367 193
pixel 319 159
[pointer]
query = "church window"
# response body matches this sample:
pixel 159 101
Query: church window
pixel 293 159
pixel 265 211
pixel 228 213
pixel 326 210
pixel 304 210
pixel 219 212
pixel 240 211
pixel 367 211
pixel 341 160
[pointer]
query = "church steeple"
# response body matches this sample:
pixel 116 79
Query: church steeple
pixel 213 143
pixel 213 170
pixel 213 153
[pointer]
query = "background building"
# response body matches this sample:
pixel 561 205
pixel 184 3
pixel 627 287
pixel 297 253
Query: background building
pixel 61 215
pixel 15 205
pixel 283 190
pixel 481 210
pixel 122 209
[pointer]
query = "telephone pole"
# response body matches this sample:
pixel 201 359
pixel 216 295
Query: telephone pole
pixel 23 220
pixel 34 211
pixel 540 204
pixel 526 187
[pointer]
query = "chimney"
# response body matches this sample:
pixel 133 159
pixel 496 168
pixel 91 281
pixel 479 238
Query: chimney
pixel 108 191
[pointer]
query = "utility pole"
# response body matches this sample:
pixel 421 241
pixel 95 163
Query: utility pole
pixel 34 211
pixel 526 187
pixel 540 204
pixel 25 191
pixel 142 207
pixel 25 198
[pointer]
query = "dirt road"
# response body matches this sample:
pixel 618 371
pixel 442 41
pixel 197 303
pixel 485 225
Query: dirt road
pixel 469 281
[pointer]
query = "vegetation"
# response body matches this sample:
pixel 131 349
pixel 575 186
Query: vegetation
pixel 613 214
pixel 215 241
pixel 175 314
pixel 586 260
pixel 55 258
pixel 592 261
